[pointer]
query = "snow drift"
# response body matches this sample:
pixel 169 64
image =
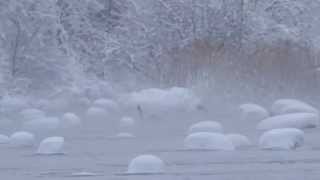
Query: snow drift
pixel 51 146
pixel 295 120
pixel 239 140
pixel 22 139
pixel 253 112
pixel 206 126
pixel 284 106
pixel 282 139
pixel 208 141
pixel 146 164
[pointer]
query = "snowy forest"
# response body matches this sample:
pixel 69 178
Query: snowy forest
pixel 220 45
pixel 203 89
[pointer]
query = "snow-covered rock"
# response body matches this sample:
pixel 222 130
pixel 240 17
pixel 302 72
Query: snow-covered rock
pixel 32 114
pixel 282 139
pixel 146 164
pixel 158 102
pixel 126 122
pixel 239 140
pixel 51 146
pixel 206 126
pixel 253 112
pixel 295 120
pixel 96 113
pixel 70 120
pixel 45 124
pixel 284 106
pixel 208 141
pixel 22 139
pixel 4 139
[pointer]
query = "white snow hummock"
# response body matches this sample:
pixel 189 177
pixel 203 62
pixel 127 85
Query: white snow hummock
pixel 127 122
pixel 158 102
pixel 70 120
pixel 206 126
pixel 4 139
pixel 51 146
pixel 96 113
pixel 124 135
pixel 253 112
pixel 106 104
pixel 282 139
pixel 239 140
pixel 284 106
pixel 295 120
pixel 45 124
pixel 22 139
pixel 32 114
pixel 146 164
pixel 208 141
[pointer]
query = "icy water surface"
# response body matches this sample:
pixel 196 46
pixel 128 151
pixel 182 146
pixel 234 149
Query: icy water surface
pixel 91 154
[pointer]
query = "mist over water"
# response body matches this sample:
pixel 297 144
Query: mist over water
pixel 170 90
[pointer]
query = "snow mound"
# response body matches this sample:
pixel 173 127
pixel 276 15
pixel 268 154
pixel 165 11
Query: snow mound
pixel 43 124
pixel 96 113
pixel 208 141
pixel 22 139
pixel 160 101
pixel 84 174
pixel 32 114
pixel 126 122
pixel 124 135
pixel 295 120
pixel 284 106
pixel 146 164
pixel 51 146
pixel 70 120
pixel 107 104
pixel 253 112
pixel 4 139
pixel 239 140
pixel 282 139
pixel 206 126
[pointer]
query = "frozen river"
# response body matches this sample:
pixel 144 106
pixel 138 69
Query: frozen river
pixel 92 154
